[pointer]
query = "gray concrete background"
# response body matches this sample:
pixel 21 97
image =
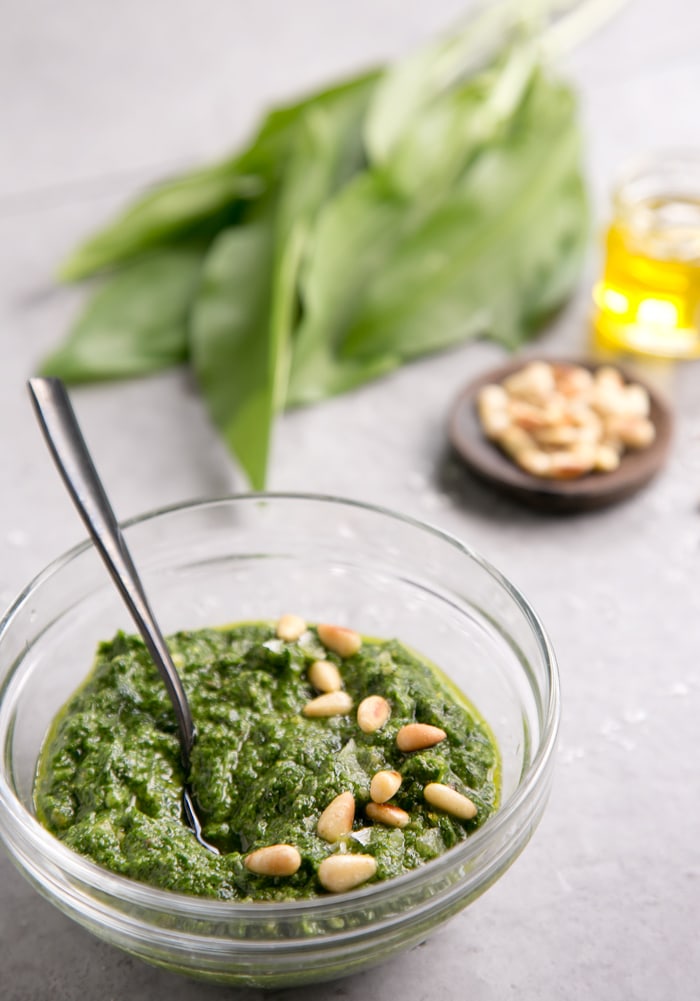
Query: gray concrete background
pixel 97 99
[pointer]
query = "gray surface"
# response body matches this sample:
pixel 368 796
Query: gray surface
pixel 98 98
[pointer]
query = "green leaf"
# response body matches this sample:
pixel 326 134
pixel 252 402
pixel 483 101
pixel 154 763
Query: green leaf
pixel 325 152
pixel 392 278
pixel 491 257
pixel 245 312
pixel 385 217
pixel 209 199
pixel 135 324
pixel 412 88
pixel 189 205
pixel 445 137
pixel 266 155
pixel 232 351
pixel 355 236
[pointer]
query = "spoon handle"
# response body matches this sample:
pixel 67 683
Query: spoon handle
pixel 70 453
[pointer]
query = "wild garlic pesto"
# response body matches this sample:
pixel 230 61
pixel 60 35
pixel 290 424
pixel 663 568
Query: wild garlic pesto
pixel 264 768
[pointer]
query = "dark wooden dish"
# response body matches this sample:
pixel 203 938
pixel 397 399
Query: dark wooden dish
pixel 593 490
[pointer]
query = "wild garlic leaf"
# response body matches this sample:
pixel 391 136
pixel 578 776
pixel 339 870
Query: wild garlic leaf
pixel 245 312
pixel 230 346
pixel 445 137
pixel 354 237
pixel 207 200
pixel 326 152
pixel 413 86
pixel 501 249
pixel 136 323
pixel 392 277
pixel 195 204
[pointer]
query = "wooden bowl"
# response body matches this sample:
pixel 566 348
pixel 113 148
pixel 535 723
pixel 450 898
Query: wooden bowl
pixel 594 490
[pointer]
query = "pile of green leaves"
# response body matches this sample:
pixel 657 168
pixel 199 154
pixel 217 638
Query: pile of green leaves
pixel 396 214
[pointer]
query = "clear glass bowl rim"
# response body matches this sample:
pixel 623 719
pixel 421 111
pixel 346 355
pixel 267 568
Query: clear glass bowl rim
pixel 77 867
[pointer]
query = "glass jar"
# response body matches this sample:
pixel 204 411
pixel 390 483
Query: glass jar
pixel 648 299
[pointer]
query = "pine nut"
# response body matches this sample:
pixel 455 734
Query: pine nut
pixel 534 383
pixel 384 785
pixel 528 417
pixel 383 813
pixel 344 642
pixel 637 402
pixel 535 461
pixel 493 410
pixel 275 860
pixel 608 376
pixel 572 380
pixel 418 736
pixel 559 437
pixel 339 873
pixel 336 820
pixel 449 800
pixel 515 441
pixel 642 434
pixel 329 704
pixel 572 462
pixel 634 432
pixel 552 420
pixel 325 676
pixel 290 628
pixel 493 397
pixel 372 713
pixel 607 458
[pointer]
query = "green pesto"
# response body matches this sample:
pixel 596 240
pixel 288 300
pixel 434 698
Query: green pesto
pixel 109 780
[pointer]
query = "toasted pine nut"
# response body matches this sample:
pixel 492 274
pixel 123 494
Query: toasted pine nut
pixel 515 441
pixel 329 704
pixel 325 676
pixel 290 628
pixel 535 461
pixel 336 820
pixel 418 736
pixel 493 397
pixel 580 415
pixel 534 382
pixel 344 642
pixel 607 458
pixel 449 800
pixel 643 434
pixel 563 417
pixel 558 437
pixel 572 462
pixel 635 432
pixel 528 416
pixel 607 377
pixel 384 785
pixel 385 813
pixel 274 860
pixel 493 410
pixel 637 402
pixel 339 873
pixel 372 713
pixel 572 380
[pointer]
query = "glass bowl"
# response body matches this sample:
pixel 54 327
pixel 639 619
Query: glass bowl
pixel 255 557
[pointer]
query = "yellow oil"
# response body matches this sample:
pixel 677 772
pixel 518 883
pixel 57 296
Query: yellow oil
pixel 648 300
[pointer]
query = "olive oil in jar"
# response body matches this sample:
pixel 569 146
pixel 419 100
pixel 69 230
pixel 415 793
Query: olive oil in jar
pixel 648 300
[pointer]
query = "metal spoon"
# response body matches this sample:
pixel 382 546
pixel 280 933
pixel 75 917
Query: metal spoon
pixel 70 453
